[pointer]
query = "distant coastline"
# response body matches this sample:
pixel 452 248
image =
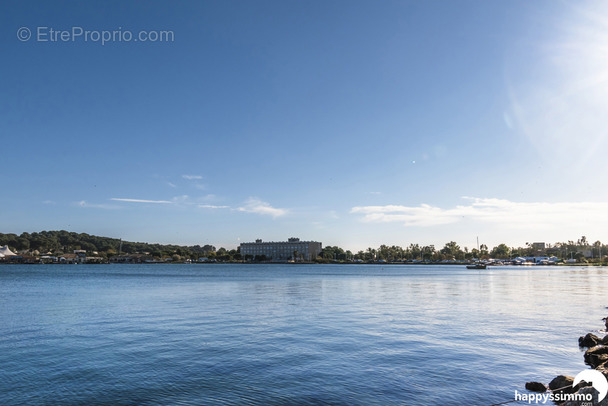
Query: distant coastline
pixel 70 247
pixel 19 261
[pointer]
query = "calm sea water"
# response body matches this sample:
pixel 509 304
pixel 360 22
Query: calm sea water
pixel 289 334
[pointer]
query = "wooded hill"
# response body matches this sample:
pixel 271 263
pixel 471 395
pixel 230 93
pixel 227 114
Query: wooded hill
pixel 55 242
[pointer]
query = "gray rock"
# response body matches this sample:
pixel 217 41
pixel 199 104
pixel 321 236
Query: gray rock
pixel 585 391
pixel 603 369
pixel 595 356
pixel 590 340
pixel 597 360
pixel 536 387
pixel 562 384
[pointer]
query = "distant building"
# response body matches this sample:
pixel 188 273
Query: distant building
pixel 81 256
pixel 69 259
pixel 539 248
pixel 292 249
pixel 131 259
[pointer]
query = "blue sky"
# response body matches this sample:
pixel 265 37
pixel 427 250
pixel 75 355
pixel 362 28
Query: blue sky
pixel 353 123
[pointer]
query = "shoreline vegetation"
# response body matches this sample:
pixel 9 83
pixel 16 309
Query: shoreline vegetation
pixel 70 247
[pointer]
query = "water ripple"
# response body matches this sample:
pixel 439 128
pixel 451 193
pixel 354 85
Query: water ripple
pixel 284 335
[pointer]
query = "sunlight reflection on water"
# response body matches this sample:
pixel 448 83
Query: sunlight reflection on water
pixel 234 334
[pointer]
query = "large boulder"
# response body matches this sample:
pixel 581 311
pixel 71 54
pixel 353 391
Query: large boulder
pixel 604 340
pixel 597 360
pixel 603 369
pixel 563 384
pixel 536 387
pixel 596 356
pixel 590 340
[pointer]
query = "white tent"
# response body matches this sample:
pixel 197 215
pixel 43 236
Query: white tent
pixel 6 252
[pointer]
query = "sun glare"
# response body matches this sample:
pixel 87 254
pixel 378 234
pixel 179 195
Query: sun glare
pixel 562 112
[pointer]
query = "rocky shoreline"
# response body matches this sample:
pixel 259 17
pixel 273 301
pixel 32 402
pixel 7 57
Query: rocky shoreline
pixel 583 394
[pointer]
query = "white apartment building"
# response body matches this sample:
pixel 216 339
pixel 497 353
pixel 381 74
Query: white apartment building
pixel 292 249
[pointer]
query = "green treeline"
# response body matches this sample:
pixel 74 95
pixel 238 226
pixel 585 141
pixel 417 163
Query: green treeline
pixel 580 250
pixel 63 242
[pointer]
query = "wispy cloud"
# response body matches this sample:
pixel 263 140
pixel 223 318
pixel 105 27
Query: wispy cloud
pixel 251 205
pixel 195 179
pixel 254 205
pixel 208 197
pixel 182 199
pixel 192 177
pixel 497 211
pixel 85 204
pixel 211 206
pixel 142 201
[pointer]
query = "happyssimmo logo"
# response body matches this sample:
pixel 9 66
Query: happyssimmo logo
pixel 595 378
